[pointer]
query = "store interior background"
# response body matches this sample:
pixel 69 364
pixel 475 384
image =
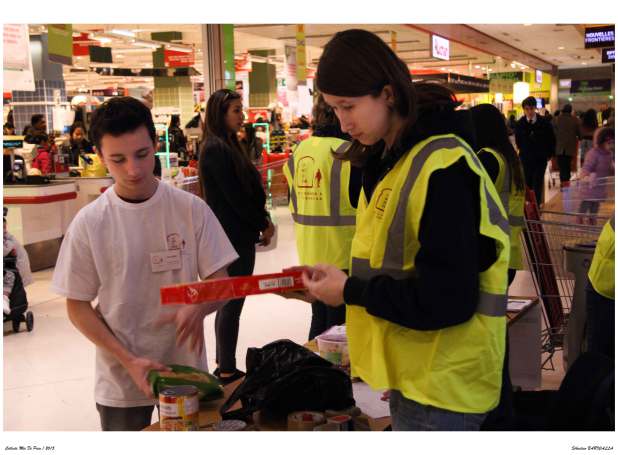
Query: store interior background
pixel 48 373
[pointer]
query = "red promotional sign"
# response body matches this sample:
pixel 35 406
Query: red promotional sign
pixel 81 43
pixel 243 63
pixel 175 59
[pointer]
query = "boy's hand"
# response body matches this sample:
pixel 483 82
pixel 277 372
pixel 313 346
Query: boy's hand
pixel 138 368
pixel 189 321
pixel 268 234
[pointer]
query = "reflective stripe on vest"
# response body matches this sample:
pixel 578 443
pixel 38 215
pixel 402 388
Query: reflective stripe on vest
pixel 488 304
pixel 393 262
pixel 335 218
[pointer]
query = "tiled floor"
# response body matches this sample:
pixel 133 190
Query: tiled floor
pixel 49 372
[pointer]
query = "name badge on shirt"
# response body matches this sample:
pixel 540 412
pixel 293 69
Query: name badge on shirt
pixel 164 261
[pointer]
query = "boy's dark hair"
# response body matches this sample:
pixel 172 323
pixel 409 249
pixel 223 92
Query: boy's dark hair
pixel 120 115
pixel 602 135
pixel 36 118
pixel 39 139
pixel 567 109
pixel 529 102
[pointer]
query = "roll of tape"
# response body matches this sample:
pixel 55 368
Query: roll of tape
pixel 305 420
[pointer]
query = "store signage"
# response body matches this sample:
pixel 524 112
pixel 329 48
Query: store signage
pixel 17 58
pixel 60 43
pixel 591 86
pixel 538 76
pixel 599 36
pixel 510 75
pixel 608 55
pixel 146 72
pixel 100 54
pixel 80 44
pixel 469 84
pixel 301 55
pixel 439 47
pixel 243 63
pixel 564 83
pixel 176 59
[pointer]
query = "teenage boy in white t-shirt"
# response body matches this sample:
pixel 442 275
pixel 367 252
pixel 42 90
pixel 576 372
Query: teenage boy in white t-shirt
pixel 136 237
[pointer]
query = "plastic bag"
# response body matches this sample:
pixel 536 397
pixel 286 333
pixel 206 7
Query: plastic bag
pixel 283 377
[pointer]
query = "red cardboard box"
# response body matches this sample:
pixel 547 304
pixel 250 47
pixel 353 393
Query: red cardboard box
pixel 231 288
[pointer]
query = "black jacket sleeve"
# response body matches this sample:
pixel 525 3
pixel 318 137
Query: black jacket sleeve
pixel 444 291
pixel 355 185
pixel 222 185
pixel 491 165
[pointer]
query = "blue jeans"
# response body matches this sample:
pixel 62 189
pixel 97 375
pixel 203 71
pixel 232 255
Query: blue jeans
pixel 408 415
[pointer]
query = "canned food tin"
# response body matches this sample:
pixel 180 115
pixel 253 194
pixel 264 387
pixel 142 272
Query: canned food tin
pixel 179 408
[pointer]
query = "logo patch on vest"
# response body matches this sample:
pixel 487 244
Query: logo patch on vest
pixel 382 201
pixel 309 180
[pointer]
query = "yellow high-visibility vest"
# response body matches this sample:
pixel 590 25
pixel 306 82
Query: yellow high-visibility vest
pixel 601 272
pixel 458 368
pixel 513 202
pixel 324 219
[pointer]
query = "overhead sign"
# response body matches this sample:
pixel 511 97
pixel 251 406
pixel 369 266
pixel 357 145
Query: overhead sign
pixel 17 59
pixel 301 55
pixel 599 36
pixel 60 43
pixel 564 83
pixel 538 76
pixel 440 47
pixel 608 55
pixel 177 59
pixel 591 86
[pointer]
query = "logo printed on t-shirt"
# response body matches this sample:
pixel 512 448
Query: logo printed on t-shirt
pixel 175 242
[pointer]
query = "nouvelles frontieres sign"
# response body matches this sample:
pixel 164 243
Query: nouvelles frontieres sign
pixel 440 47
pixel 599 36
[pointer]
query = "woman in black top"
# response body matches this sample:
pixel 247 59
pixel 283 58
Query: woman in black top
pixel 232 187
pixel 77 144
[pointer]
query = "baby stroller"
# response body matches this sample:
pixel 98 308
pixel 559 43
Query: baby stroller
pixel 18 301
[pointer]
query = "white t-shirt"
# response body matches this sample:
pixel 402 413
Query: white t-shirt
pixel 106 253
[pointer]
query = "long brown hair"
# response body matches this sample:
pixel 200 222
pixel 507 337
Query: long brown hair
pixel 217 134
pixel 358 63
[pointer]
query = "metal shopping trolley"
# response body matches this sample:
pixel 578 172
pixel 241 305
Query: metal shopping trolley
pixel 558 250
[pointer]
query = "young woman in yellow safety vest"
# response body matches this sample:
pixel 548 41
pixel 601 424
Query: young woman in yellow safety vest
pixel 501 162
pixel 600 294
pixel 426 296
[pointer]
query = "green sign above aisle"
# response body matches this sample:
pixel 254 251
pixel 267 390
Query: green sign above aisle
pixel 60 43
pixel 228 56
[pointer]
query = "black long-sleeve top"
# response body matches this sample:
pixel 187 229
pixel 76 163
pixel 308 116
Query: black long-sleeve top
pixel 444 290
pixel 238 201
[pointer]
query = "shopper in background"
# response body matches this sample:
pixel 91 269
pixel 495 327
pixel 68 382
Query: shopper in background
pixel 589 124
pixel 110 251
pixel 8 129
pixel 568 131
pixel 600 294
pixel 233 189
pixel 37 127
pixel 77 144
pixel 536 142
pixel 251 144
pixel 599 165
pixel 178 141
pixel 323 198
pixel 426 299
pixel 44 160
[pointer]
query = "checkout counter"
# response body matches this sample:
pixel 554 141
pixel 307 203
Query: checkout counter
pixel 41 210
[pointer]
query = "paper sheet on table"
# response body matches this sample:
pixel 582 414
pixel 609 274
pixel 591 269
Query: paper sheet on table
pixel 369 401
pixel 517 305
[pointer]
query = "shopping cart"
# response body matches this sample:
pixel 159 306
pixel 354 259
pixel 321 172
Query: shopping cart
pixel 551 240
pixel 273 180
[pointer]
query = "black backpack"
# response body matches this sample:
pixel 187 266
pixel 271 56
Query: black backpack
pixel 283 377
